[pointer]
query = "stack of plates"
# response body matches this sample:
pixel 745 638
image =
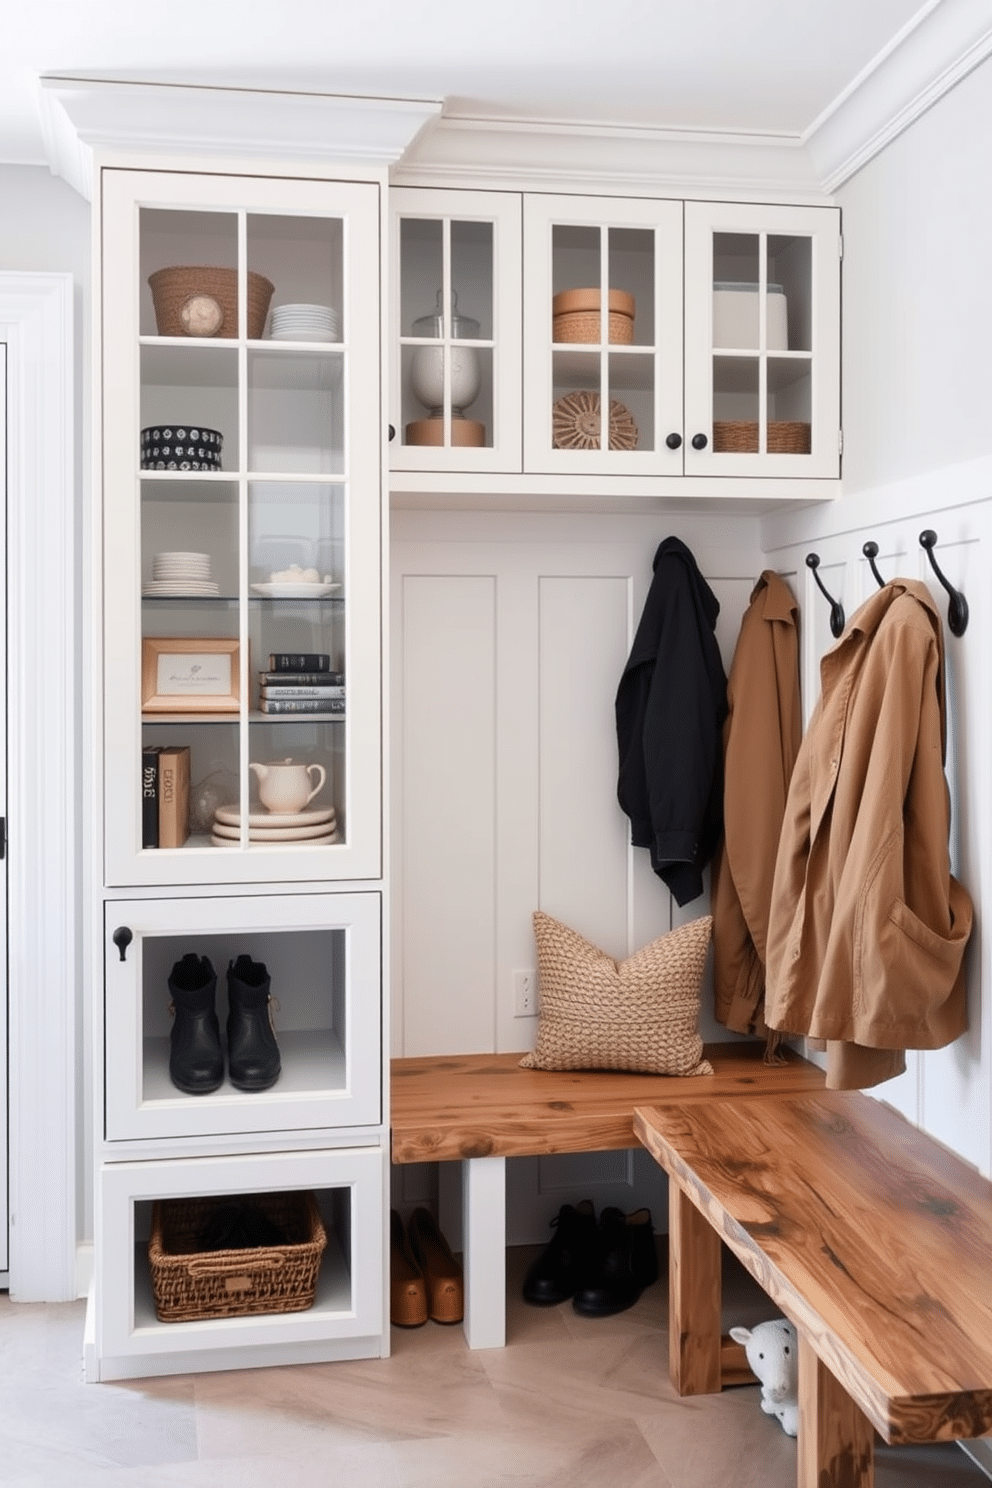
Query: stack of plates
pixel 180 574
pixel 314 826
pixel 305 323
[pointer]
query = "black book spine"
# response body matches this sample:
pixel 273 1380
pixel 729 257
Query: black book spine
pixel 149 795
pixel 300 661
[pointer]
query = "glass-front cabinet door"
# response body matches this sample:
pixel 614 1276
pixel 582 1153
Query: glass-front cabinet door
pixel 455 393
pixel 762 373
pixel 603 319
pixel 242 532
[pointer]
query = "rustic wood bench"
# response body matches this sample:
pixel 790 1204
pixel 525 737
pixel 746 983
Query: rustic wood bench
pixel 481 1109
pixel 870 1236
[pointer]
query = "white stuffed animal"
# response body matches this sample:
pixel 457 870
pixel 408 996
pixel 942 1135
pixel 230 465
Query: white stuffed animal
pixel 772 1350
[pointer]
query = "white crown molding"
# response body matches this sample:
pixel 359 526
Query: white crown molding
pixel 941 45
pixel 85 116
pixel 533 154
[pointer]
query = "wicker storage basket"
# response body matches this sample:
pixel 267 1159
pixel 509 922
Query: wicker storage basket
pixel 190 1284
pixel 740 436
pixel 174 289
pixel 576 316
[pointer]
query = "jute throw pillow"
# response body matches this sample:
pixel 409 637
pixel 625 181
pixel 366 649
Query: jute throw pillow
pixel 639 1014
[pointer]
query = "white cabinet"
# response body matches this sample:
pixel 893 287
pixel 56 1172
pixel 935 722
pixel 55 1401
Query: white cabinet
pixel 709 334
pixel 455 318
pixel 321 952
pixel 346 1319
pixel 216 560
pixel 241 761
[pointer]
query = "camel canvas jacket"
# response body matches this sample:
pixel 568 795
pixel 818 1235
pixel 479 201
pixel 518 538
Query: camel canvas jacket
pixel 868 927
pixel 761 740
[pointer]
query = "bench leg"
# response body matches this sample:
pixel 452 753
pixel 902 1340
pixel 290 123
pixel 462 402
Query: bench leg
pixel 484 1232
pixel 694 1298
pixel 836 1447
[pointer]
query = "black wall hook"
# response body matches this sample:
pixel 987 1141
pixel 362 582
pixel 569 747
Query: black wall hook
pixel 870 551
pixel 957 609
pixel 836 609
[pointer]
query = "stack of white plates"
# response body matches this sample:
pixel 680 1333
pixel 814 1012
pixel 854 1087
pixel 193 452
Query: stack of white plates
pixel 305 323
pixel 314 826
pixel 180 574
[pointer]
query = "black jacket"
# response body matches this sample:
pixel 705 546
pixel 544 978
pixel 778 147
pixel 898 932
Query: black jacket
pixel 670 708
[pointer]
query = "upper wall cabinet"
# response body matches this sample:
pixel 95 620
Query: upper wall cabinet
pixel 693 345
pixel 455 393
pixel 242 528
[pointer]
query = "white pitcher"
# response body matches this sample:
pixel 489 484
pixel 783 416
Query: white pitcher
pixel 284 786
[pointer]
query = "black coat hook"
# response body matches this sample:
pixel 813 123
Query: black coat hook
pixel 957 609
pixel 836 609
pixel 870 551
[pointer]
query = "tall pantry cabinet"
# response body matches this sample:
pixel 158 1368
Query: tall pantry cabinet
pixel 242 527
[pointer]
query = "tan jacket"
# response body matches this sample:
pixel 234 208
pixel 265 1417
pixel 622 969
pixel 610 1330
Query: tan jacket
pixel 762 735
pixel 868 927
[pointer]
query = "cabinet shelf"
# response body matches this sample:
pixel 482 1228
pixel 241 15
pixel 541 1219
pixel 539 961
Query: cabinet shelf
pixel 313 1063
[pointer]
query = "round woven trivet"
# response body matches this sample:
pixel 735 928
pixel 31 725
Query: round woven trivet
pixel 576 422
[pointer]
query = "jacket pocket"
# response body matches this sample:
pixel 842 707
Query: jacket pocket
pixel 911 992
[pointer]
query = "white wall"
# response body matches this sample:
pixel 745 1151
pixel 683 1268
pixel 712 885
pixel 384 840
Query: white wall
pixel 917 327
pixel 45 227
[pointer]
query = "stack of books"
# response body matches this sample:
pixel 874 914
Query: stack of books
pixel 164 795
pixel 301 682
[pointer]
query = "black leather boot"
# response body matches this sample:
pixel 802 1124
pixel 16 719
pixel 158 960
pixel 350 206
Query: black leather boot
pixel 627 1263
pixel 252 1052
pixel 564 1266
pixel 196 1059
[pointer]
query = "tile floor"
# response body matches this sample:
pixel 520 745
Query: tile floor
pixel 570 1403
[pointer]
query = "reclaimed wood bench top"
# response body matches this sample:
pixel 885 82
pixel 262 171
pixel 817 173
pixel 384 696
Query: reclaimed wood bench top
pixel 445 1107
pixel 873 1238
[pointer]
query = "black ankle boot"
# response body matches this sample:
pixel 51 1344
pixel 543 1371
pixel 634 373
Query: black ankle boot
pixel 564 1265
pixel 627 1263
pixel 252 1052
pixel 196 1059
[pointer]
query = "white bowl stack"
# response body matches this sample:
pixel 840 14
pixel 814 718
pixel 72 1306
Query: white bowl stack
pixel 305 323
pixel 180 574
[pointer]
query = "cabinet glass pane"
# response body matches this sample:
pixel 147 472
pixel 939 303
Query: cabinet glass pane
pixel 188 391
pixel 632 403
pixel 308 971
pixel 296 412
pixel 298 644
pixel 577 405
pixel 193 257
pixel 447 296
pixel 302 258
pixel 631 277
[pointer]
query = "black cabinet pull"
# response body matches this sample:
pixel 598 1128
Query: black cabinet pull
pixel 674 441
pixel 699 441
pixel 122 938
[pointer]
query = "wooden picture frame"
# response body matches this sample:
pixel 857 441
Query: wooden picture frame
pixel 190 674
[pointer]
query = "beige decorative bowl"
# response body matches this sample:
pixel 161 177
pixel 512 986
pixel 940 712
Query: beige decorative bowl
pixel 576 316
pixel 577 423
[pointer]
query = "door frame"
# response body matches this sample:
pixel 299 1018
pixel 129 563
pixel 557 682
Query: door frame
pixel 44 795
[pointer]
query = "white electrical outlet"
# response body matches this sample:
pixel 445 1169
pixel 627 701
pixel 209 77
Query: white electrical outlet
pixel 524 994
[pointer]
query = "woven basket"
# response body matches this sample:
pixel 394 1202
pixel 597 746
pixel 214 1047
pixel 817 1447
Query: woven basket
pixel 576 316
pixel 740 436
pixel 189 1284
pixel 193 290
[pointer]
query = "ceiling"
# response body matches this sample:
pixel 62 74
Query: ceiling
pixel 748 67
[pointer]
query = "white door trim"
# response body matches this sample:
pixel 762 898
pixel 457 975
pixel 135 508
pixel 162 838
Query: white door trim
pixel 43 688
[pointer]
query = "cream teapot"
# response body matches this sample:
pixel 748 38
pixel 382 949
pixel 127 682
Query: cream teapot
pixel 284 786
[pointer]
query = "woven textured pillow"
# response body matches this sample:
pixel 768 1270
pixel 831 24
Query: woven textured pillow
pixel 639 1014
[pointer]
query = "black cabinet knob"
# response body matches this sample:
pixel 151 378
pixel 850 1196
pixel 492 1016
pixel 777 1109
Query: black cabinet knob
pixel 673 441
pixel 699 441
pixel 122 938
pixel 392 432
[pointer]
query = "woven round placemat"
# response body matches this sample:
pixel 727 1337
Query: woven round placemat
pixel 576 422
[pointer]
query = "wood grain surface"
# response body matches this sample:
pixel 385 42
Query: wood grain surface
pixel 874 1239
pixel 485 1105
